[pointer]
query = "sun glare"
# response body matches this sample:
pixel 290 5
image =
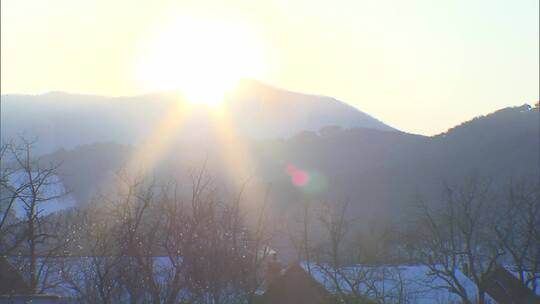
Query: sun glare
pixel 202 59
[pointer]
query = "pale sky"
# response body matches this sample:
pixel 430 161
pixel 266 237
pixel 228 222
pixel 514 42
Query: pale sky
pixel 421 66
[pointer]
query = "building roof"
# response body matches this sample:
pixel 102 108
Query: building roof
pixel 295 286
pixel 504 287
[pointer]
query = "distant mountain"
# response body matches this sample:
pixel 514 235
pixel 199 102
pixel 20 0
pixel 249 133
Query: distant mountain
pixel 379 172
pixel 262 111
pixel 257 110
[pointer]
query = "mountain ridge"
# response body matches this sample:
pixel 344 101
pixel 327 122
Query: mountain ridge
pixel 378 171
pixel 257 110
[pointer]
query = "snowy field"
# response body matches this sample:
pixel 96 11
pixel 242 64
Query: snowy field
pixel 54 188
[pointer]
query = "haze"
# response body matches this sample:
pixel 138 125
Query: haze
pixel 392 59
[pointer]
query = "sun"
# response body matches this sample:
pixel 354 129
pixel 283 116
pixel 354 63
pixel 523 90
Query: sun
pixel 202 59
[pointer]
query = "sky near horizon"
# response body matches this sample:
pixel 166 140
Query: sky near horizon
pixel 420 66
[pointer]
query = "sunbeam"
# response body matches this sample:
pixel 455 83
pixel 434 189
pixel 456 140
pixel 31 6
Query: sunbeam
pixel 152 150
pixel 234 154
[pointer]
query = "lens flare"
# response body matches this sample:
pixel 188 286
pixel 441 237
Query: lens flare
pixel 298 177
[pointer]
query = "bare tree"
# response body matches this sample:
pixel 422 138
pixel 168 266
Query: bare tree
pixel 351 283
pixel 93 277
pixel 226 266
pixel 260 238
pixel 153 242
pixel 332 255
pixel 10 238
pixel 299 231
pixel 138 221
pixel 518 230
pixel 35 237
pixel 457 236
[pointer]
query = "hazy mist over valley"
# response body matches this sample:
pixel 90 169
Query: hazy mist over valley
pixel 270 152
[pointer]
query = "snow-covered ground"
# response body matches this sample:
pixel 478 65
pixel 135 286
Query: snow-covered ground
pixel 82 270
pixel 392 284
pixel 399 283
